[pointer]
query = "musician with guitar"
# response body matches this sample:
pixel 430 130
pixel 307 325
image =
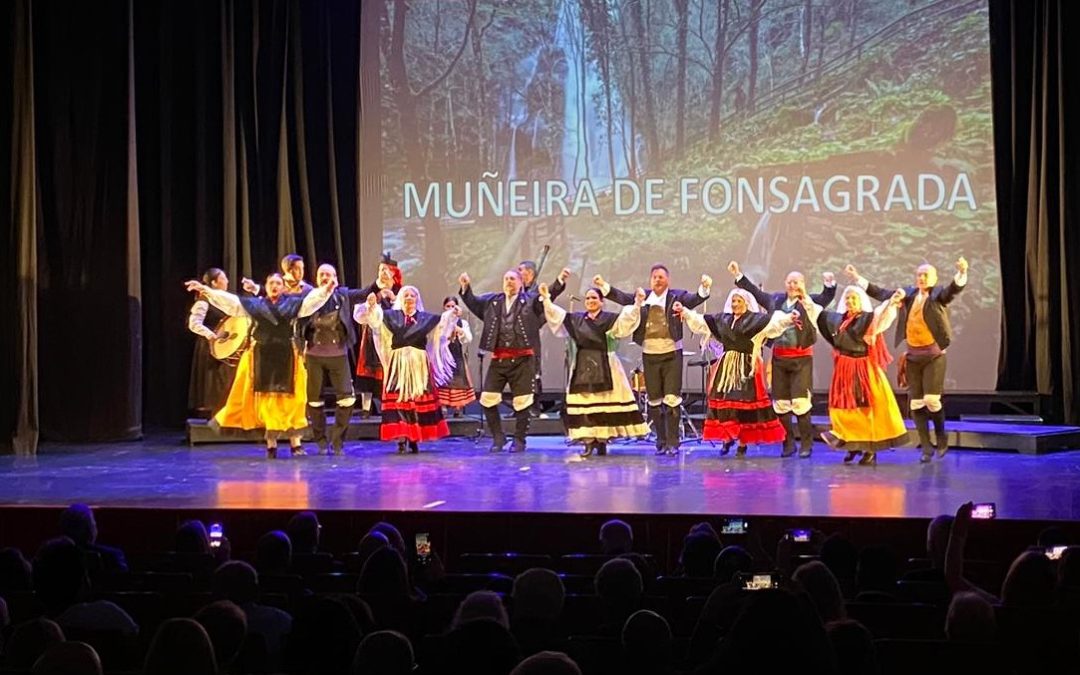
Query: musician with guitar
pixel 270 389
pixel 211 378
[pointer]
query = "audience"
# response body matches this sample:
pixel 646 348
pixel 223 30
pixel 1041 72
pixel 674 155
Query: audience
pixel 1030 582
pixel 180 647
pixel 304 530
pixel 481 605
pixel 547 663
pixel 62 584
pixel 646 644
pixel 384 652
pixel 619 586
pixel 78 524
pixel 324 638
pixel 480 647
pixel 226 625
pixel 699 551
pixel 970 619
pixel 842 558
pixel 68 658
pixel 537 602
pixel 732 560
pixel 192 538
pixel 237 582
pixel 853 648
pixel 273 553
pixel 823 589
pixel 15 571
pixel 875 575
pixel 28 641
pixel 616 537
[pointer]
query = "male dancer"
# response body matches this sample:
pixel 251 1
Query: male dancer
pixel 792 353
pixel 923 321
pixel 527 270
pixel 660 335
pixel 329 334
pixel 292 274
pixel 511 334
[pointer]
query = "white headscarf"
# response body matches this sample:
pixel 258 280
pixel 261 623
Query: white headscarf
pixel 751 304
pixel 398 304
pixel 864 299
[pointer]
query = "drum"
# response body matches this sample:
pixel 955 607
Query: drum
pixel 234 338
pixel 637 380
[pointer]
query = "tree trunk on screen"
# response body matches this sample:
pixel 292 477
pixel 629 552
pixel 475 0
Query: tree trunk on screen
pixel 652 138
pixel 720 49
pixel 755 25
pixel 807 35
pixel 682 11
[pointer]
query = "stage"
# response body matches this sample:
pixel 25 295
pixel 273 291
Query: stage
pixel 460 476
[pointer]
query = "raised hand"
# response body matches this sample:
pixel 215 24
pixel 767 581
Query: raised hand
pixel 564 275
pixel 598 281
pixel 387 294
pixel 195 286
pixel 897 297
pixel 733 267
pixel 371 300
pixel 544 291
pixel 852 273
pixel 330 284
pixel 829 278
pixel 962 265
pixel 677 309
pixel 706 281
pixel 463 280
pixel 639 296
pixel 249 285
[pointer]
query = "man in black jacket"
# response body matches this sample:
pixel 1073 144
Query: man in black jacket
pixel 923 321
pixel 792 353
pixel 660 336
pixel 511 334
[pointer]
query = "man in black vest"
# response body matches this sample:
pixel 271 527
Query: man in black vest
pixel 511 334
pixel 329 336
pixel 923 321
pixel 660 336
pixel 792 353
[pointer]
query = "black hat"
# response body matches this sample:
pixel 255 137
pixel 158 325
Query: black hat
pixel 387 259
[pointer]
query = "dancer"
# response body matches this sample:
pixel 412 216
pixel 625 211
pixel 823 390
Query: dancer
pixel 292 276
pixel 599 402
pixel 923 321
pixel 210 379
pixel 660 337
pixel 528 271
pixel 413 349
pixel 270 389
pixel 369 371
pixel 512 321
pixel 792 353
pixel 329 335
pixel 862 409
pixel 459 391
pixel 739 409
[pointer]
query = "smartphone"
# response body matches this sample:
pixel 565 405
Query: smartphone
pixel 984 511
pixel 1054 552
pixel 799 536
pixel 759 582
pixel 423 547
pixel 734 526
pixel 216 533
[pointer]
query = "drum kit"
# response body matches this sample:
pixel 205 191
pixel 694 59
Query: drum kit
pixel 687 430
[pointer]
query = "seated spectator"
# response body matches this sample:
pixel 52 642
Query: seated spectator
pixel 875 575
pixel 431 571
pixel 1030 582
pixel 823 589
pixel 536 606
pixel 699 552
pixel 480 647
pixel 369 543
pixel 937 541
pixel 64 587
pixel 384 652
pixel 273 553
pixel 730 561
pixel 192 538
pixel 15 571
pixel 853 647
pixel 68 658
pixel 28 641
pixel 481 605
pixel 226 625
pixel 619 585
pixel 716 619
pixel 393 537
pixel 547 663
pixel 360 610
pixel 1068 576
pixel 1052 536
pixel 970 619
pixel 616 537
pixel 304 530
pixel 324 638
pixel 646 644
pixel 237 582
pixel 180 647
pixel 841 557
pixel 645 567
pixel 78 524
pixel 384 585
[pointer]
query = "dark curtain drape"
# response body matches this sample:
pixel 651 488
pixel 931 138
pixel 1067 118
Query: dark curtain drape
pixel 142 142
pixel 1036 63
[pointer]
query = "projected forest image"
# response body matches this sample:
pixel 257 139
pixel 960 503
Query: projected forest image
pixel 851 131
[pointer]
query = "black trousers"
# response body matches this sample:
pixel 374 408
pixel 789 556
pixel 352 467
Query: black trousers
pixel 925 376
pixel 663 374
pixel 336 368
pixel 518 373
pixel 792 378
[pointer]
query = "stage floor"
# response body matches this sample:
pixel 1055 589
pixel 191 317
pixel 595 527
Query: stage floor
pixel 456 475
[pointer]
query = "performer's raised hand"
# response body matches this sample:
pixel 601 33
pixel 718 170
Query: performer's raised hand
pixel 564 275
pixel 733 267
pixel 829 278
pixel 330 284
pixel 677 309
pixel 463 280
pixel 706 281
pixel 852 273
pixel 249 285
pixel 639 297
pixel 196 286
pixel 387 295
pixel 962 265
pixel 598 281
pixel 544 291
pixel 897 297
pixel 372 300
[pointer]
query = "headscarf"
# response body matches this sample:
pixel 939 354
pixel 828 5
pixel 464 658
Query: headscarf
pixel 751 303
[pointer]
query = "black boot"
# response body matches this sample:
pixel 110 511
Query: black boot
pixel 317 415
pixel 672 424
pixel 601 448
pixel 521 429
pixel 922 426
pixel 656 419
pixel 494 424
pixel 940 434
pixel 587 449
pixel 789 435
pixel 806 434
pixel 341 424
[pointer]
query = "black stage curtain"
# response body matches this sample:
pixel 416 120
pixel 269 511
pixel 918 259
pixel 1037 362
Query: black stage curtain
pixel 142 142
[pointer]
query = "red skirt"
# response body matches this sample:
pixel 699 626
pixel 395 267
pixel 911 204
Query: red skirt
pixel 420 419
pixel 745 415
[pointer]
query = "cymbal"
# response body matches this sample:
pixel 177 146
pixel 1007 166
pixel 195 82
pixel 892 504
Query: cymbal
pixel 702 362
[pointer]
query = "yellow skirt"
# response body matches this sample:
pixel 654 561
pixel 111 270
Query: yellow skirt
pixel 249 409
pixel 876 427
